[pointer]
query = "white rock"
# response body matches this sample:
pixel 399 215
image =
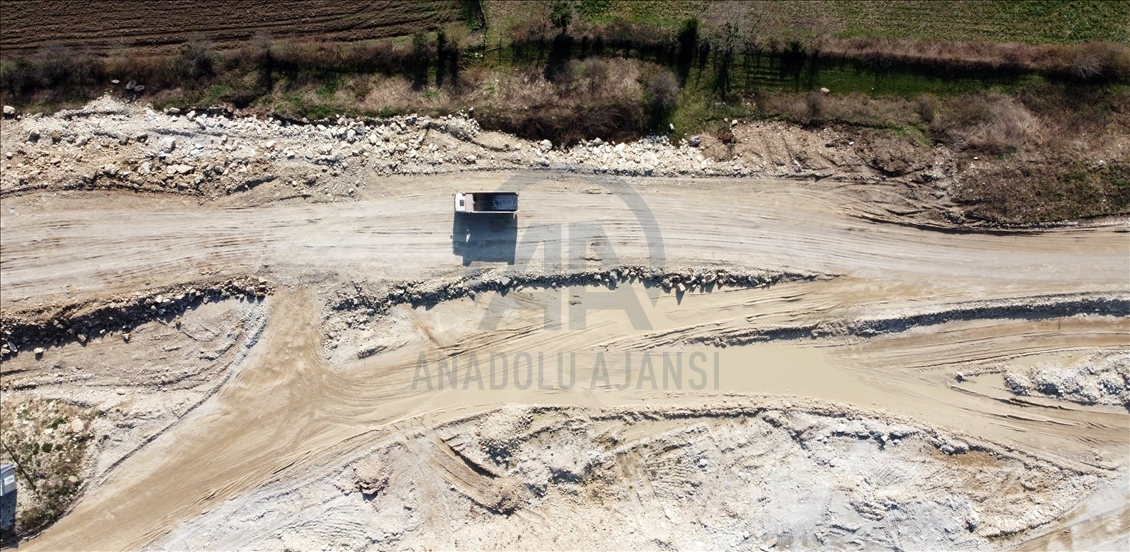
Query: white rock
pixel 167 144
pixel 9 110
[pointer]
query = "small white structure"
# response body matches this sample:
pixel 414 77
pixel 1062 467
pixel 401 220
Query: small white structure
pixel 7 497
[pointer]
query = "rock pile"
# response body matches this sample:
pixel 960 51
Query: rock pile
pixel 895 322
pixel 1100 379
pixel 357 306
pixel 432 292
pixel 213 152
pixel 52 326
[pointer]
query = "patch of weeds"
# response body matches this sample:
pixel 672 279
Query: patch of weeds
pixel 1006 154
pixel 328 88
pixel 217 93
pixel 1046 192
pixel 47 439
pixel 595 11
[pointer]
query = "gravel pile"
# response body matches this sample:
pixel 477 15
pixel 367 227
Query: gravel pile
pixel 213 152
pixel 1098 379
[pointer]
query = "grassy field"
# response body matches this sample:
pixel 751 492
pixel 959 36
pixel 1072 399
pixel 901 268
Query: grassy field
pixel 1040 21
pixel 1036 22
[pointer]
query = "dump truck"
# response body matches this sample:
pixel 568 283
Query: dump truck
pixel 486 202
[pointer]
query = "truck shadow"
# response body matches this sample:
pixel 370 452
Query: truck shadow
pixel 485 237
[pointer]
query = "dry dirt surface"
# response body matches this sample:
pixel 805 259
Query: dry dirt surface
pixel 289 342
pixel 123 26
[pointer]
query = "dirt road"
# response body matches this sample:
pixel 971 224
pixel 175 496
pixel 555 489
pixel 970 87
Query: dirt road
pixel 265 459
pixel 98 243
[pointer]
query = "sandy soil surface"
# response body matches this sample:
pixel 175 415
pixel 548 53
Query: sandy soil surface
pixel 745 362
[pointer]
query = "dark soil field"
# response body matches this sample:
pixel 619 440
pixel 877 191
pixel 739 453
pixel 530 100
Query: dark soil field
pixel 117 25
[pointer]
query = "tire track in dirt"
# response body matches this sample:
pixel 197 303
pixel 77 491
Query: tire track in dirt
pixel 289 409
pixel 246 434
pixel 412 237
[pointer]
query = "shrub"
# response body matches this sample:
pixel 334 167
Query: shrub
pixel 561 14
pixel 597 72
pixel 989 124
pixel 195 61
pixel 662 90
pixel 927 107
pixel 1099 60
pixel 814 102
